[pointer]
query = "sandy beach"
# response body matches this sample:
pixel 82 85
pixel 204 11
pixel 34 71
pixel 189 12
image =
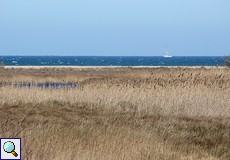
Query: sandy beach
pixel 85 67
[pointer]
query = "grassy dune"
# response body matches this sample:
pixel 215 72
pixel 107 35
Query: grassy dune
pixel 119 113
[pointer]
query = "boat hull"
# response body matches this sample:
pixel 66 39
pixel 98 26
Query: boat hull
pixel 167 56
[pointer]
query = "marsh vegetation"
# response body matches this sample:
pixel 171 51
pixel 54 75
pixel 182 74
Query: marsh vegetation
pixel 119 113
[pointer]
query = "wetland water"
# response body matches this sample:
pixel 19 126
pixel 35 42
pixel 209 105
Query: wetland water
pixel 41 85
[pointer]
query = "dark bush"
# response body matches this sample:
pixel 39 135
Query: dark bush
pixel 226 60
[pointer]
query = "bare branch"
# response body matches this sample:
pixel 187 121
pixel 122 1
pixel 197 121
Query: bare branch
pixel 17 131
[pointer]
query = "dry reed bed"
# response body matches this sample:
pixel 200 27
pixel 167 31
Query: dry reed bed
pixel 97 133
pixel 162 76
pixel 120 113
pixel 193 92
pixel 176 101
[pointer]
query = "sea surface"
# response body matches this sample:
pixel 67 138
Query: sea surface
pixel 111 61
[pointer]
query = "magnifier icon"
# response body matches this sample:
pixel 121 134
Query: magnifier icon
pixel 9 147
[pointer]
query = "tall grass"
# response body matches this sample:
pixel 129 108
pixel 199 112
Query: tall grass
pixel 124 113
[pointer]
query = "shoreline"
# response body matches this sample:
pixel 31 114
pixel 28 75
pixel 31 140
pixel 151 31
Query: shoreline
pixel 90 67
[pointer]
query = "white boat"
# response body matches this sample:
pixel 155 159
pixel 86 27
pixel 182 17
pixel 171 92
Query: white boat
pixel 166 54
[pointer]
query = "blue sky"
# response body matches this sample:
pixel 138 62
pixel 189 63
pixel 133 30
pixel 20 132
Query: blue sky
pixel 115 27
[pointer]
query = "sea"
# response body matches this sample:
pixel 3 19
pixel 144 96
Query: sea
pixel 111 60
